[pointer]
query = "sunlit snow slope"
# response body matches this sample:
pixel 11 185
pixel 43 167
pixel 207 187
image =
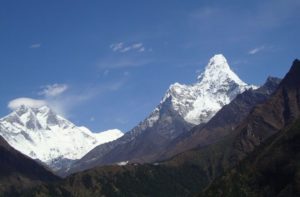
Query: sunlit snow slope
pixel 198 103
pixel 42 134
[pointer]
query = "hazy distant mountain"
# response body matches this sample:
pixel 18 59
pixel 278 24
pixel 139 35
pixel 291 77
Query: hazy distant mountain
pixel 43 135
pixel 182 107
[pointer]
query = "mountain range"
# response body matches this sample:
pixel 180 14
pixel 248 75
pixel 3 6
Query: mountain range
pixel 244 143
pixel 182 108
pixel 269 169
pixel 224 121
pixel 45 136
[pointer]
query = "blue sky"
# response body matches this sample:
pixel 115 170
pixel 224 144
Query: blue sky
pixel 106 63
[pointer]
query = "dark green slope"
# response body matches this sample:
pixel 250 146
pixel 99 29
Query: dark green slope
pixel 183 175
pixel 143 180
pixel 273 169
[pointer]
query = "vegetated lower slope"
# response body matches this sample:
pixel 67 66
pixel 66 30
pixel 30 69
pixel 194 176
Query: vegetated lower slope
pixel 273 169
pixel 18 172
pixel 183 175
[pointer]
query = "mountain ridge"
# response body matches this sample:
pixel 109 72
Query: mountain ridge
pixel 267 119
pixel 224 121
pixel 42 134
pixel 181 108
pixel 190 172
pixel 272 172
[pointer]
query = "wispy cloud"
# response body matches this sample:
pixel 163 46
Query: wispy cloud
pixel 18 102
pixel 53 90
pixel 123 48
pixel 117 46
pixel 35 46
pixel 256 50
pixel 65 103
pixel 63 100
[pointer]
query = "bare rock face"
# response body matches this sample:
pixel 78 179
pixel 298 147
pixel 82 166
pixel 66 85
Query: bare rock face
pixel 281 110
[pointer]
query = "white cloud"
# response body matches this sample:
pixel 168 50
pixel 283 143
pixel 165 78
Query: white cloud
pixel 122 48
pixel 35 46
pixel 142 49
pixel 54 90
pixel 29 102
pixel 256 50
pixel 137 45
pixel 116 46
pixel 67 102
pixel 64 104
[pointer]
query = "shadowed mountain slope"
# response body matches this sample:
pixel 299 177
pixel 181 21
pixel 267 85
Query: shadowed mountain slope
pixel 224 122
pixel 18 171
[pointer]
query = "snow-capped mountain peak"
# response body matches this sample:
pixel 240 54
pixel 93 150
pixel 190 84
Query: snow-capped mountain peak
pixel 42 134
pixel 182 107
pixel 218 71
pixel 217 62
pixel 216 86
pixel 36 118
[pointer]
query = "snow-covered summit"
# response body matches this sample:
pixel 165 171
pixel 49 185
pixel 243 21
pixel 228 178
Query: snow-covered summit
pixel 216 86
pixel 42 134
pixel 217 71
